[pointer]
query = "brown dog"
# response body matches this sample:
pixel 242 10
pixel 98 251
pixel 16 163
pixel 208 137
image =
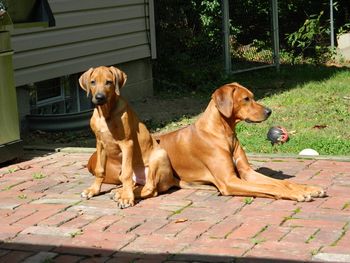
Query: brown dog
pixel 125 151
pixel 208 151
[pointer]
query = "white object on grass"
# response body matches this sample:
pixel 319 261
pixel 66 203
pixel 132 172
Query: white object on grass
pixel 309 152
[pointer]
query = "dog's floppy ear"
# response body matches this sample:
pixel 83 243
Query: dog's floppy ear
pixel 223 98
pixel 120 78
pixel 84 80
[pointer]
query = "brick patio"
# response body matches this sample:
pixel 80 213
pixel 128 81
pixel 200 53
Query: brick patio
pixel 43 218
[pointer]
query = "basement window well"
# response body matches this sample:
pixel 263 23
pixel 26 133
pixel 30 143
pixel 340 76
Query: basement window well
pixel 58 104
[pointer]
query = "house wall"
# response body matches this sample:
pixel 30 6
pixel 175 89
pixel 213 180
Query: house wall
pixel 88 33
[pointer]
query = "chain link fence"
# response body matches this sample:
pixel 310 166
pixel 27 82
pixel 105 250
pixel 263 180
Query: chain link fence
pixel 252 34
pixel 190 40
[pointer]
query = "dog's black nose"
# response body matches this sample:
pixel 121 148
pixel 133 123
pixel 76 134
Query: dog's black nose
pixel 100 98
pixel 268 112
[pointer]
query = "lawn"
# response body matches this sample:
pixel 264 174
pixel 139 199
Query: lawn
pixel 311 102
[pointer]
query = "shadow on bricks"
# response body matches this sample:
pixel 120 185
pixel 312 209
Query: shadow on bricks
pixel 31 253
pixel 274 174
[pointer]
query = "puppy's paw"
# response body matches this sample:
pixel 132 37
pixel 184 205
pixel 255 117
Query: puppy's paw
pixel 89 192
pixel 125 203
pixel 124 199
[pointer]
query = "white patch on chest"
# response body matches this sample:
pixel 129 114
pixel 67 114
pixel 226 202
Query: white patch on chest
pixel 140 175
pixel 101 124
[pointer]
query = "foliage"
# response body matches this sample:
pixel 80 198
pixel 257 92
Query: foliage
pixel 189 40
pixel 311 38
pixel 190 45
pixel 344 29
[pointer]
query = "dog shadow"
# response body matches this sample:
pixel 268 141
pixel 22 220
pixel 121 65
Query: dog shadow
pixel 274 174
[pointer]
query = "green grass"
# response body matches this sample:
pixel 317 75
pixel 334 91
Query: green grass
pixel 301 109
pixel 22 196
pixel 38 176
pixel 301 97
pixel 248 200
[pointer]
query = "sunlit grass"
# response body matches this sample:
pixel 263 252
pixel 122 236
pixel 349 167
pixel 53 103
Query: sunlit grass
pixel 312 103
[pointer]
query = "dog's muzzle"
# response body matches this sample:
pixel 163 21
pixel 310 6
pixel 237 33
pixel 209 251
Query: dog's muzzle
pixel 267 113
pixel 99 99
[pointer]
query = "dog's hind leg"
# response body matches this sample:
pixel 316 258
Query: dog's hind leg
pixel 160 174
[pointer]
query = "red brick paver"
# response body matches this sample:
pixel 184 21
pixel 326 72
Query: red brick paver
pixel 42 217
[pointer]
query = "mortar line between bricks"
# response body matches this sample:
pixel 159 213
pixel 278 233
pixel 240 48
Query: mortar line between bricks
pixel 312 236
pixel 35 199
pixel 48 164
pixel 263 229
pixel 23 216
pixel 239 209
pixel 135 226
pixel 179 211
pixel 345 229
pixel 346 205
pixel 295 211
pixel 316 251
pixel 67 220
pixel 59 211
pixel 45 189
pixel 316 174
pixel 254 245
pixel 249 249
pixel 69 164
pixel 128 243
pixel 106 227
pixel 283 236
pixel 11 186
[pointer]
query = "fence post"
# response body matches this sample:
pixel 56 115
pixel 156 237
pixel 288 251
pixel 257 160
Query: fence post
pixel 276 41
pixel 331 22
pixel 152 29
pixel 226 30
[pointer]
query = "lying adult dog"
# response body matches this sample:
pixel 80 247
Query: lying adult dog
pixel 208 151
pixel 125 151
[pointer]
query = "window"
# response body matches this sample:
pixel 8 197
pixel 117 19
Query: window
pixel 58 96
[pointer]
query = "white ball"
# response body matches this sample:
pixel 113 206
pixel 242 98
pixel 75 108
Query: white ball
pixel 308 152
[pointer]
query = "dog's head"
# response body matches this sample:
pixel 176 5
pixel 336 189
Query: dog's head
pixel 104 83
pixel 237 103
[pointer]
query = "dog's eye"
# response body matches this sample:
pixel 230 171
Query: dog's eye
pixel 246 99
pixel 109 82
pixel 92 82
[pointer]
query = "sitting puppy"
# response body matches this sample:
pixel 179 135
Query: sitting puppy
pixel 125 151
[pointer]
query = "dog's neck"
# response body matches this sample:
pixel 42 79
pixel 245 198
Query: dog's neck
pixel 215 122
pixel 114 105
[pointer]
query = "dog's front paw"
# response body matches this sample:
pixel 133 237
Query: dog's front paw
pixel 316 191
pixel 124 199
pixel 89 192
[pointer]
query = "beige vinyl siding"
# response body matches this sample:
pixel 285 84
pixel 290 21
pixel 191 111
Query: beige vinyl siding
pixel 87 33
